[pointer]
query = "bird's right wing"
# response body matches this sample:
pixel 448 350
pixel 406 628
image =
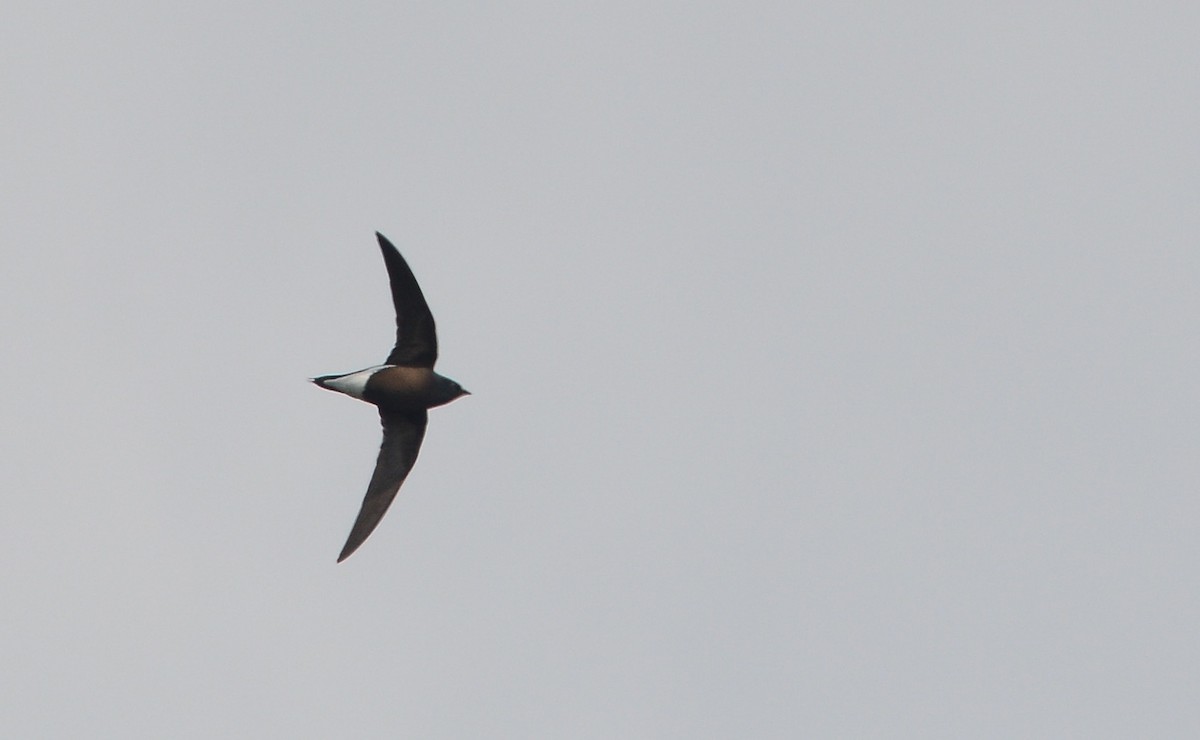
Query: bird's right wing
pixel 416 336
pixel 402 436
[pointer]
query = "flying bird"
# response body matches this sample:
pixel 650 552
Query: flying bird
pixel 403 389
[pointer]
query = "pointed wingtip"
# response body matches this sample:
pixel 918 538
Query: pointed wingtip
pixel 358 535
pixel 384 242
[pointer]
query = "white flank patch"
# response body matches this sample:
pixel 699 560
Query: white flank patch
pixel 354 384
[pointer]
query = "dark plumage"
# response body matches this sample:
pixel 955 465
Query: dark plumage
pixel 403 389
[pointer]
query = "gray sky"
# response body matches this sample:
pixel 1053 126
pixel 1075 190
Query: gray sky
pixel 834 370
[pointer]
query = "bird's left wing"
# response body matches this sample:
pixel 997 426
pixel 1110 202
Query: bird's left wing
pixel 402 436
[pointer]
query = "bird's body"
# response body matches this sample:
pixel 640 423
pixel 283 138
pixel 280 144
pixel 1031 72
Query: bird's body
pixel 395 387
pixel 403 390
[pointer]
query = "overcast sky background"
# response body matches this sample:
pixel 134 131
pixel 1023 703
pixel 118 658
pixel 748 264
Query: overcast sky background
pixel 835 369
